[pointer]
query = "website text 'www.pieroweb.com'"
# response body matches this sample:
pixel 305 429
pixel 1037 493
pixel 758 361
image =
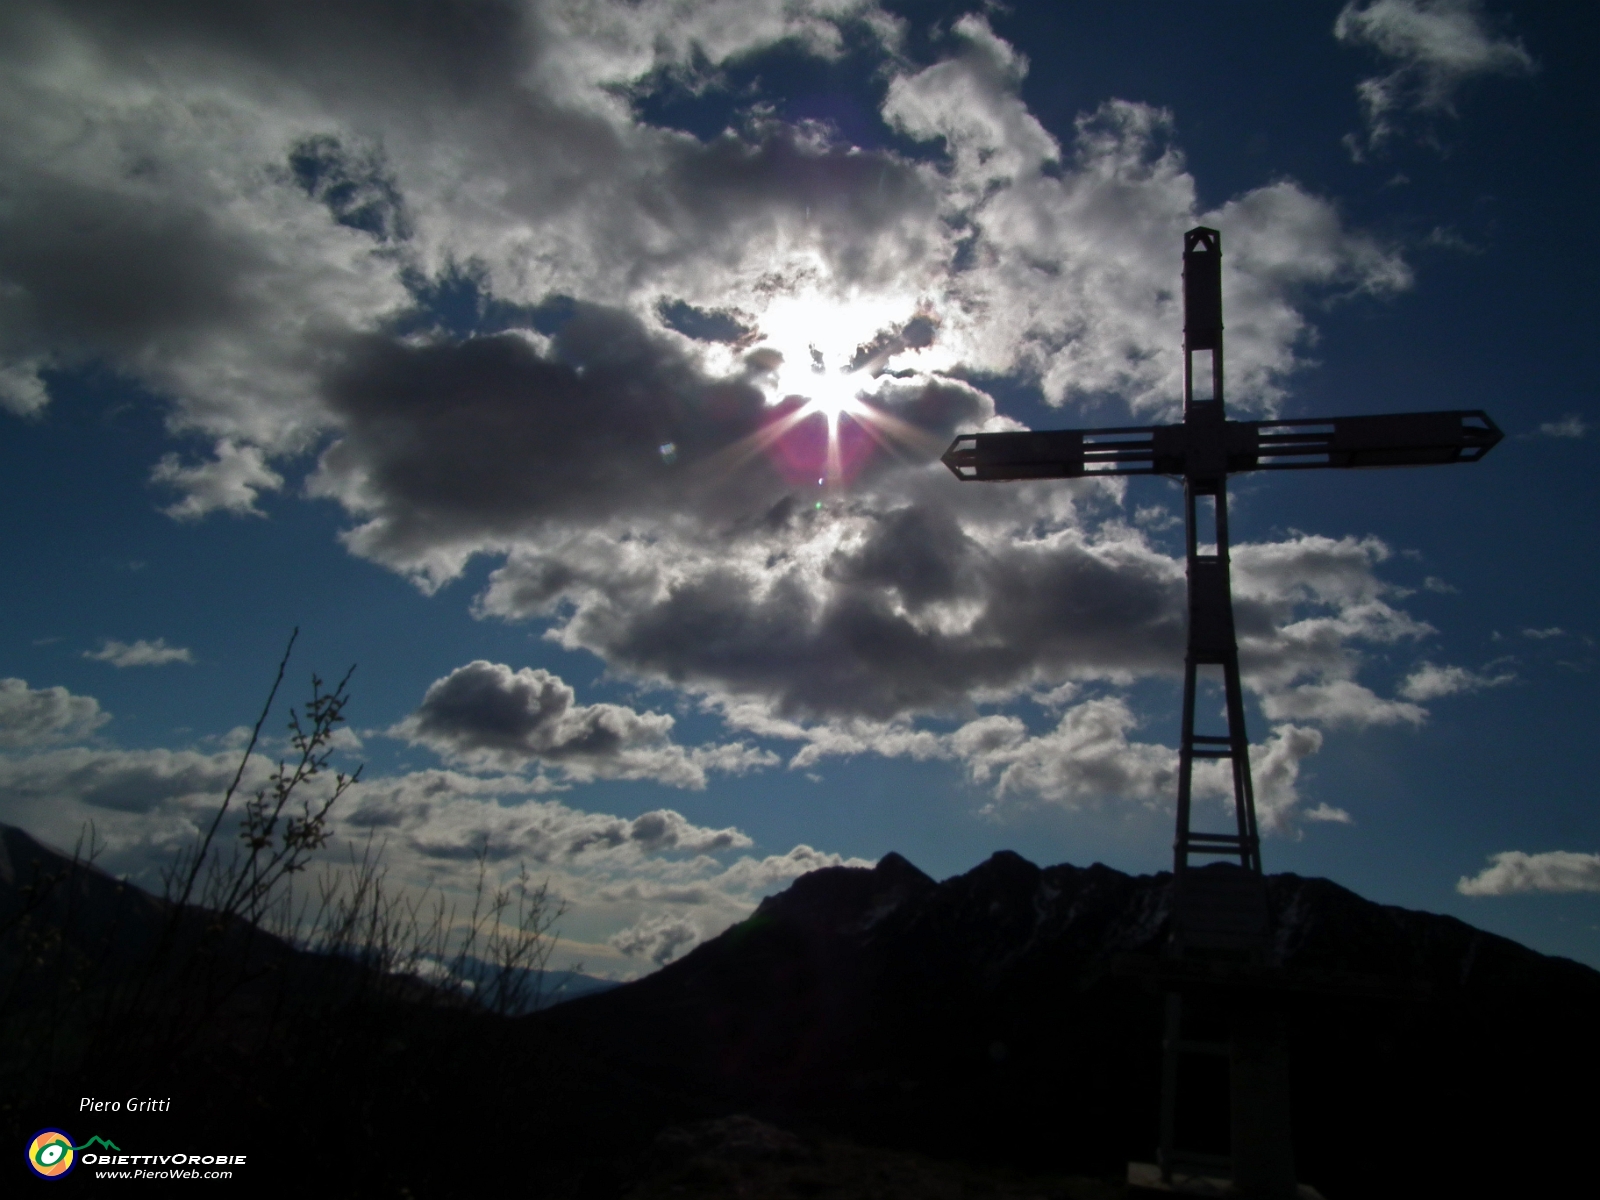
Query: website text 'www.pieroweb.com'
pixel 53 1153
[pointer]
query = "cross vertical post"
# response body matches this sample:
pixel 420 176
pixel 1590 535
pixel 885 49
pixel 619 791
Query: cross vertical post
pixel 1221 912
pixel 1211 640
pixel 1217 953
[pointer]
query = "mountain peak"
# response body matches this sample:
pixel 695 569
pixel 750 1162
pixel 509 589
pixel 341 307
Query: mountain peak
pixel 897 866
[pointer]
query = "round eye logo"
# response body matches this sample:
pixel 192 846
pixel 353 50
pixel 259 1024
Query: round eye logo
pixel 50 1153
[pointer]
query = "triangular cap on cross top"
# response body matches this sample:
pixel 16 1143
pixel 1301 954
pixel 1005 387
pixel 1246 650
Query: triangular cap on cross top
pixel 1202 289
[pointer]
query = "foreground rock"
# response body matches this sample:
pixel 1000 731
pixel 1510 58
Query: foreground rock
pixel 734 1157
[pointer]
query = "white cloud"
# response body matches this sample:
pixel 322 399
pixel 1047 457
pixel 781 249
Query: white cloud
pixel 1436 46
pixel 1340 702
pixel 22 392
pixel 42 716
pixel 1302 607
pixel 1087 756
pixel 1327 813
pixel 139 654
pixel 1449 239
pixel 746 880
pixel 1513 871
pixel 230 482
pixel 753 878
pixel 430 828
pixel 1313 569
pixel 1275 769
pixel 1428 682
pixel 1275 774
pixel 1542 635
pixel 840 737
pixel 971 103
pixel 1569 426
pixel 1069 256
pixel 615 873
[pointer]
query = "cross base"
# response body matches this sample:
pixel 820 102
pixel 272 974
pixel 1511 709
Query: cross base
pixel 1144 1180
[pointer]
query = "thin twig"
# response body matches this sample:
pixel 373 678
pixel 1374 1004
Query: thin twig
pixel 255 734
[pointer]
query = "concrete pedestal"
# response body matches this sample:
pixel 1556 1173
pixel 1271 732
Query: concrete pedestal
pixel 1258 1068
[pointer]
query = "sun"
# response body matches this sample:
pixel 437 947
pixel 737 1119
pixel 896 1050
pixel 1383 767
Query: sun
pixel 818 337
pixel 826 385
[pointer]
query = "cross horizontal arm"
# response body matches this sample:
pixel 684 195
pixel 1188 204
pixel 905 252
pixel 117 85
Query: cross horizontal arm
pixel 1386 440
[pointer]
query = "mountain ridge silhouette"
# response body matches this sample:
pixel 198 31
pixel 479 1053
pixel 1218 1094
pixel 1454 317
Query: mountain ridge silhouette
pixel 991 1016
pixel 990 1020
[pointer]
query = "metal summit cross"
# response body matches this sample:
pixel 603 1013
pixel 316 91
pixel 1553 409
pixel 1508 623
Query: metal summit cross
pixel 1204 451
pixel 1219 915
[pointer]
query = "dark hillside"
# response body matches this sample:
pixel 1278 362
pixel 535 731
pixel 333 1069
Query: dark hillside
pixel 997 1018
pixel 312 1065
pixel 986 1017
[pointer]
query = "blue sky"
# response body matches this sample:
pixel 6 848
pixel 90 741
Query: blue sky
pixel 461 340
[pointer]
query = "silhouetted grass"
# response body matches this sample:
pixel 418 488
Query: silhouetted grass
pixel 270 1002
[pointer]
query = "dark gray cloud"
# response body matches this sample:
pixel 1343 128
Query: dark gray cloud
pixel 446 815
pixel 136 781
pixel 912 621
pixel 482 706
pixel 486 713
pixel 454 444
pixel 910 603
pixel 487 706
pixel 483 439
pixel 243 162
pixel 657 938
pixel 462 48
pixel 915 334
pixel 93 275
pixel 705 325
pixel 198 230
pixel 149 226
